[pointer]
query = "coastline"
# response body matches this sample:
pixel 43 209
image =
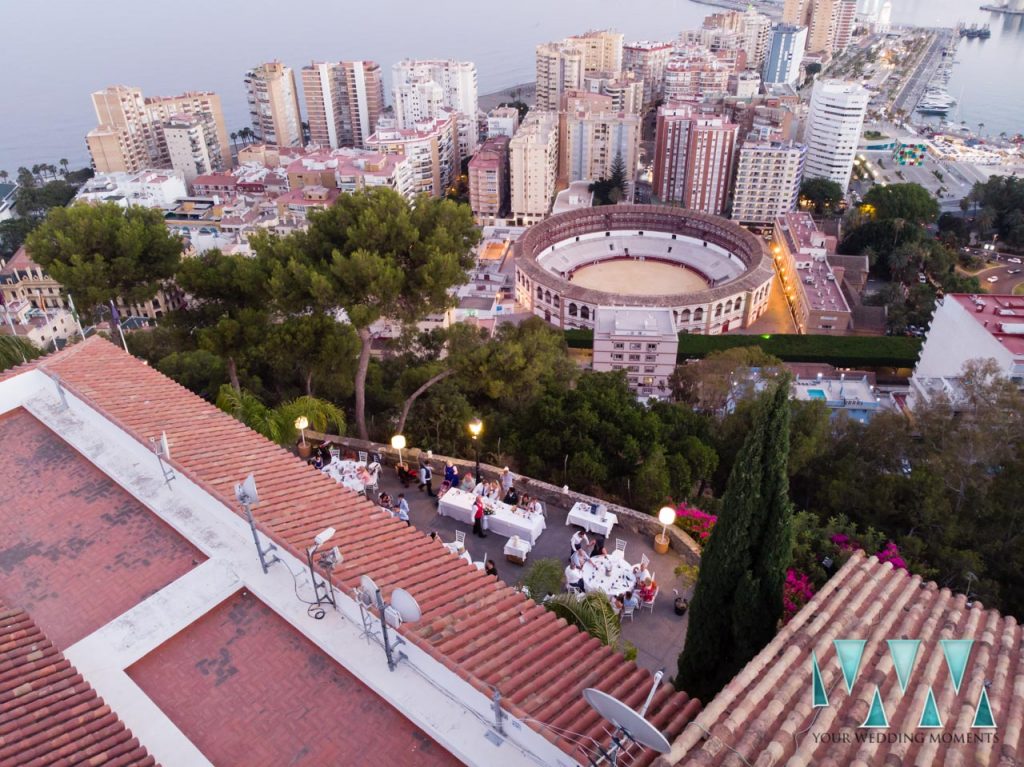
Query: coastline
pixel 522 92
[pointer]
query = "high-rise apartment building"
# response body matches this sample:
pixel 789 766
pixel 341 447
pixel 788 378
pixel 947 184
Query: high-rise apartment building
pixel 187 148
pixel 602 50
pixel 834 122
pixel 785 54
pixel 592 136
pixel 559 69
pixel 693 158
pixel 533 161
pixel 432 146
pixel 830 25
pixel 753 32
pixel 423 89
pixel 489 181
pixel 274 104
pixel 693 74
pixel 344 100
pixel 767 185
pixel 130 132
pixel 625 90
pixel 646 61
pixel 796 12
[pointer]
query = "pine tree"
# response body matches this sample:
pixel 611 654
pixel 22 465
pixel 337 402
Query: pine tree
pixel 617 180
pixel 738 600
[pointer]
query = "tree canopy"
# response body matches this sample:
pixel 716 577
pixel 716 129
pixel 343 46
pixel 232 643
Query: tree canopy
pixel 104 252
pixel 909 202
pixel 1001 199
pixel 823 195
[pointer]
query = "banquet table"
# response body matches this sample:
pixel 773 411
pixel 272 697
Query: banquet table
pixel 602 522
pixel 596 577
pixel 506 520
pixel 344 472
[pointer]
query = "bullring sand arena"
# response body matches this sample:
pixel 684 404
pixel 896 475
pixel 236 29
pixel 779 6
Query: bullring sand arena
pixel 638 278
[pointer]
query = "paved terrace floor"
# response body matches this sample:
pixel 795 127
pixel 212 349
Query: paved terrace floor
pixel 658 635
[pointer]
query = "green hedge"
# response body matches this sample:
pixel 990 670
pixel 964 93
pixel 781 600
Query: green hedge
pixel 842 351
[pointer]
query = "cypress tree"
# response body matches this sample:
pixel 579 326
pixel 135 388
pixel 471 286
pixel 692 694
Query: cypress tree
pixel 738 600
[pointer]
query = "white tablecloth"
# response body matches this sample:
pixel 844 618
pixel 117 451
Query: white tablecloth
pixel 344 472
pixel 602 522
pixel 506 520
pixel 518 548
pixel 596 578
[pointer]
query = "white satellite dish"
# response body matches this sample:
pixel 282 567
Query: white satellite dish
pixel 366 584
pixel 626 719
pixel 246 493
pixel 406 605
pixel 324 536
pixel 164 446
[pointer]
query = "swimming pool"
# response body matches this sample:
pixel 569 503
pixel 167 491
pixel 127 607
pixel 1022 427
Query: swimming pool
pixel 816 393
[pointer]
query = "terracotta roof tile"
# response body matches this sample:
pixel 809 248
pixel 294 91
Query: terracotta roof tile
pixel 473 624
pixel 765 715
pixel 48 713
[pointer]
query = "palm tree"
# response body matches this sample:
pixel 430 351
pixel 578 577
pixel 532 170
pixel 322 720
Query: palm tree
pixel 278 424
pixel 4 175
pixel 592 613
pixel 37 172
pixel 64 165
pixel 234 140
pixel 15 350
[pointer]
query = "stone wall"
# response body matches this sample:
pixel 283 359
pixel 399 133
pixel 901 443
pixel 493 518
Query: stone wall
pixel 638 522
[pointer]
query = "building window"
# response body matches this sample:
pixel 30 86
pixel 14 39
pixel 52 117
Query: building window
pixel 650 358
pixel 573 310
pixel 652 347
pixel 616 356
pixel 684 315
pixel 648 368
pixel 635 347
pixel 547 296
pixel 585 313
pixel 718 310
pixel 698 315
pixel 618 345
pixel 634 357
pixel 540 293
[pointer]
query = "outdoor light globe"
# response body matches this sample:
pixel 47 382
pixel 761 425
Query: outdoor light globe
pixel 667 515
pixel 301 422
pixel 398 442
pixel 476 426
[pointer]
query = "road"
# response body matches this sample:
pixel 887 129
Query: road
pixel 924 71
pixel 1006 281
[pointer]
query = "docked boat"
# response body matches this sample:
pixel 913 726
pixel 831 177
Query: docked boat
pixel 935 102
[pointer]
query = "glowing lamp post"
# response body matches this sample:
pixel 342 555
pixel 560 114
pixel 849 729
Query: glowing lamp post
pixel 302 423
pixel 476 428
pixel 398 443
pixel 667 515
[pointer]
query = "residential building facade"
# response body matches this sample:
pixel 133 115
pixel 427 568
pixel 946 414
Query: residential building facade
pixel 489 185
pixel 642 342
pixel 344 100
pixel 502 121
pixel 591 140
pixel 768 175
pixel 274 104
pixel 693 158
pixel 560 68
pixel 533 167
pixel 835 119
pixel 785 53
pixel 646 60
pixel 432 147
pixel 424 89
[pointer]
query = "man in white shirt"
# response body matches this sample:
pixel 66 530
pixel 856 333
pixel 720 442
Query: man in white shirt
pixel 507 480
pixel 574 577
pixel 579 539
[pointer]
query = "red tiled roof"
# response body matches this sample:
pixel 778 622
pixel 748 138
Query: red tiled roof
pixel 48 713
pixel 474 624
pixel 764 716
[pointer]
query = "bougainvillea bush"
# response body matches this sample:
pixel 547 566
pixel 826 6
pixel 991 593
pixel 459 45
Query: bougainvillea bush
pixel 698 524
pixel 796 592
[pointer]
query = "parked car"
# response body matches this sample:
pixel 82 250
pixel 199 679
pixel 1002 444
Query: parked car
pixel 1013 271
pixel 1013 260
pixel 993 278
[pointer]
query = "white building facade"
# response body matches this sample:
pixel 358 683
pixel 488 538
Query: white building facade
pixel 423 89
pixel 640 341
pixel 533 167
pixel 835 119
pixel 767 185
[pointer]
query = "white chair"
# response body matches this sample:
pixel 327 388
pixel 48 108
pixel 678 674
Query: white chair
pixel 465 557
pixel 627 612
pixel 460 539
pixel 649 603
pixel 335 453
pixel 620 549
pixel 479 565
pixel 363 457
pixel 644 561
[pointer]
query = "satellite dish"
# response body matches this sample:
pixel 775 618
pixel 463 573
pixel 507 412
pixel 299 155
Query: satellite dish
pixel 627 720
pixel 366 584
pixel 246 493
pixel 406 605
pixel 324 536
pixel 165 448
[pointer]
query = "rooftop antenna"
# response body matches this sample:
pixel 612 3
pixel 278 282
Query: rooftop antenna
pixel 163 455
pixel 323 590
pixel 247 496
pixel 403 609
pixel 630 726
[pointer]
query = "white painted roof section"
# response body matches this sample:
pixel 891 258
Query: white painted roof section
pixel 614 321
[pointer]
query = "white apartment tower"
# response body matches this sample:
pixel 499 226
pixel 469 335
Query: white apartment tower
pixel 834 122
pixel 274 104
pixel 594 139
pixel 187 146
pixel 344 100
pixel 422 89
pixel 768 175
pixel 533 167
pixel 602 50
pixel 559 69
pixel 646 61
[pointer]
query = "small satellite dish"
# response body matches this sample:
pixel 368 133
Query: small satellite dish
pixel 164 446
pixel 324 536
pixel 246 493
pixel 367 585
pixel 627 720
pixel 406 605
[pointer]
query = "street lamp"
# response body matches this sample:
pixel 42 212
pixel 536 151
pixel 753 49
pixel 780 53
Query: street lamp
pixel 302 423
pixel 398 443
pixel 667 515
pixel 476 428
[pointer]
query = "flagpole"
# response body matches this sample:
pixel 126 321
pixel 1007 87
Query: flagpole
pixel 14 332
pixel 74 313
pixel 115 317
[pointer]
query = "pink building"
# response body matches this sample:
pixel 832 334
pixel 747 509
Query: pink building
pixel 693 158
pixel 489 180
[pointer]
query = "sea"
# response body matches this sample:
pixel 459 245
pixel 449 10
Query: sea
pixel 59 51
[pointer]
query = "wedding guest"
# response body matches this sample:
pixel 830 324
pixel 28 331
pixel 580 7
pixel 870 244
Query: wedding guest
pixel 599 549
pixel 467 483
pixel 579 540
pixel 507 478
pixel 490 568
pixel 478 518
pixel 630 602
pixel 317 461
pixel 648 588
pixel 511 497
pixel 403 509
pixel 574 578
